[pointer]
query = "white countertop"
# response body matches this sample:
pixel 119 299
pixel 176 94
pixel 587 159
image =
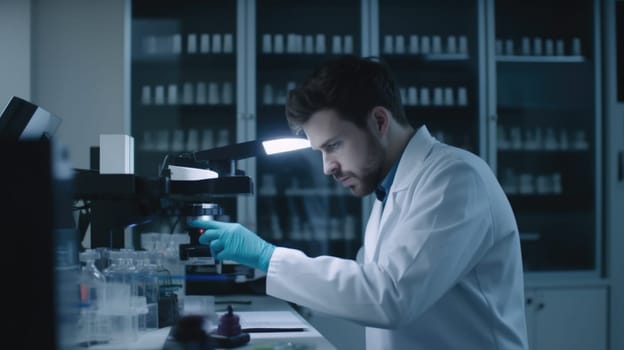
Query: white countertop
pixel 254 312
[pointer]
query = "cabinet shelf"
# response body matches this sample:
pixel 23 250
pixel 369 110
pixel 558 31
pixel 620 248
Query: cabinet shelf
pixel 458 62
pixel 149 110
pixel 540 59
pixel 291 62
pixel 454 111
pixel 433 57
pixel 186 61
pixel 512 110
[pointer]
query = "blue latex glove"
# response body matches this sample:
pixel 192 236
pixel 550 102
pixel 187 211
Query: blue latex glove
pixel 232 241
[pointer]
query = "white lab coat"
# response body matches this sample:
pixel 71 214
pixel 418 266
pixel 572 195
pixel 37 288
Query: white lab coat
pixel 441 265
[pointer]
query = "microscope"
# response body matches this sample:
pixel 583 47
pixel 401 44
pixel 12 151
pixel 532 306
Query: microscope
pixel 205 274
pixel 188 187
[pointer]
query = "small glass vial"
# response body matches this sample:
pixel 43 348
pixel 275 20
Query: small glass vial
pixel 92 327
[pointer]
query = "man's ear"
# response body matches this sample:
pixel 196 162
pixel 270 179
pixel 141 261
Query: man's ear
pixel 381 119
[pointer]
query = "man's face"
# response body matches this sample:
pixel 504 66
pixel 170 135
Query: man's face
pixel 353 156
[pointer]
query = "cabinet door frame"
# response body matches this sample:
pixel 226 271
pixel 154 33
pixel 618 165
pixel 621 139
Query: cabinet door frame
pixel 614 173
pixel 246 102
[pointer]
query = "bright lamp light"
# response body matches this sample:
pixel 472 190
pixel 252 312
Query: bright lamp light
pixel 284 145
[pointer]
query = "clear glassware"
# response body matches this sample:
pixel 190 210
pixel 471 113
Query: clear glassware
pixel 92 327
pixel 147 281
pixel 121 287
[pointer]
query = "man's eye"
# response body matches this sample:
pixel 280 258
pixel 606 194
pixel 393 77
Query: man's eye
pixel 332 146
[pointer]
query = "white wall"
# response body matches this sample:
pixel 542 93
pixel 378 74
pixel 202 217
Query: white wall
pixel 80 69
pixel 14 50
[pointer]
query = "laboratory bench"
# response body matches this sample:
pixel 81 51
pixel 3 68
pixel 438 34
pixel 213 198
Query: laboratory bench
pixel 255 311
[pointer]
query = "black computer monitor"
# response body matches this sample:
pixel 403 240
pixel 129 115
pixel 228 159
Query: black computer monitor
pixel 38 233
pixel 23 120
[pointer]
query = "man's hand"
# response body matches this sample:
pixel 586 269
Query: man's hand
pixel 232 241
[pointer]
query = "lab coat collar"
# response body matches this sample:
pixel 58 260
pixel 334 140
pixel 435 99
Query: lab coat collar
pixel 417 149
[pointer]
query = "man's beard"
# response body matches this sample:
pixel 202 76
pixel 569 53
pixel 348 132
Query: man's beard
pixel 369 176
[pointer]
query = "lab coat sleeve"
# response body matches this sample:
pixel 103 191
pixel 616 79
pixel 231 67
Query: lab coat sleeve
pixel 439 228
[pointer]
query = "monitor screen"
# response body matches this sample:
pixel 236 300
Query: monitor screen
pixel 36 188
pixel 22 120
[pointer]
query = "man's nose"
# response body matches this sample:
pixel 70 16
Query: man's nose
pixel 329 165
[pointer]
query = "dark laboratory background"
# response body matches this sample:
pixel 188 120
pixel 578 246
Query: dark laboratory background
pixel 514 84
pixel 521 84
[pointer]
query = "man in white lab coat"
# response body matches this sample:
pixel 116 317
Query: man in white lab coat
pixel 440 267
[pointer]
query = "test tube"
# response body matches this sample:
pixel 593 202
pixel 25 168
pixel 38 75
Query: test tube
pixel 463 44
pixel 462 96
pixel 424 96
pixel 204 43
pixel 336 44
pixel 146 95
pixel 449 97
pixel 177 140
pixel 414 44
pixel 549 47
pixel 425 45
pixel 228 43
pixel 266 43
pixel 399 44
pixel 172 94
pixel 191 43
pixel 412 96
pixel 526 46
pixel 348 44
pixel 436 44
pixel 308 44
pixel 291 45
pixel 187 93
pixel 451 44
pixel 227 93
pixel 509 47
pixel 388 47
pixel 576 46
pixel 176 43
pixel 537 46
pixel 278 43
pixel 403 93
pixel 438 96
pixel 192 140
pixel 200 93
pixel 207 140
pixel 213 93
pixel 217 45
pixel 320 43
pixel 159 95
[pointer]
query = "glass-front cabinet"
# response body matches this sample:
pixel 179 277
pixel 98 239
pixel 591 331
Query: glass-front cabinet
pixel 547 129
pixel 297 205
pixel 516 83
pixel 212 73
pixel 433 50
pixel 183 81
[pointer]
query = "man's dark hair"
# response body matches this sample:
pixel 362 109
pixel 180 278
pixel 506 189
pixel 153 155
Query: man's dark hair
pixel 351 86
